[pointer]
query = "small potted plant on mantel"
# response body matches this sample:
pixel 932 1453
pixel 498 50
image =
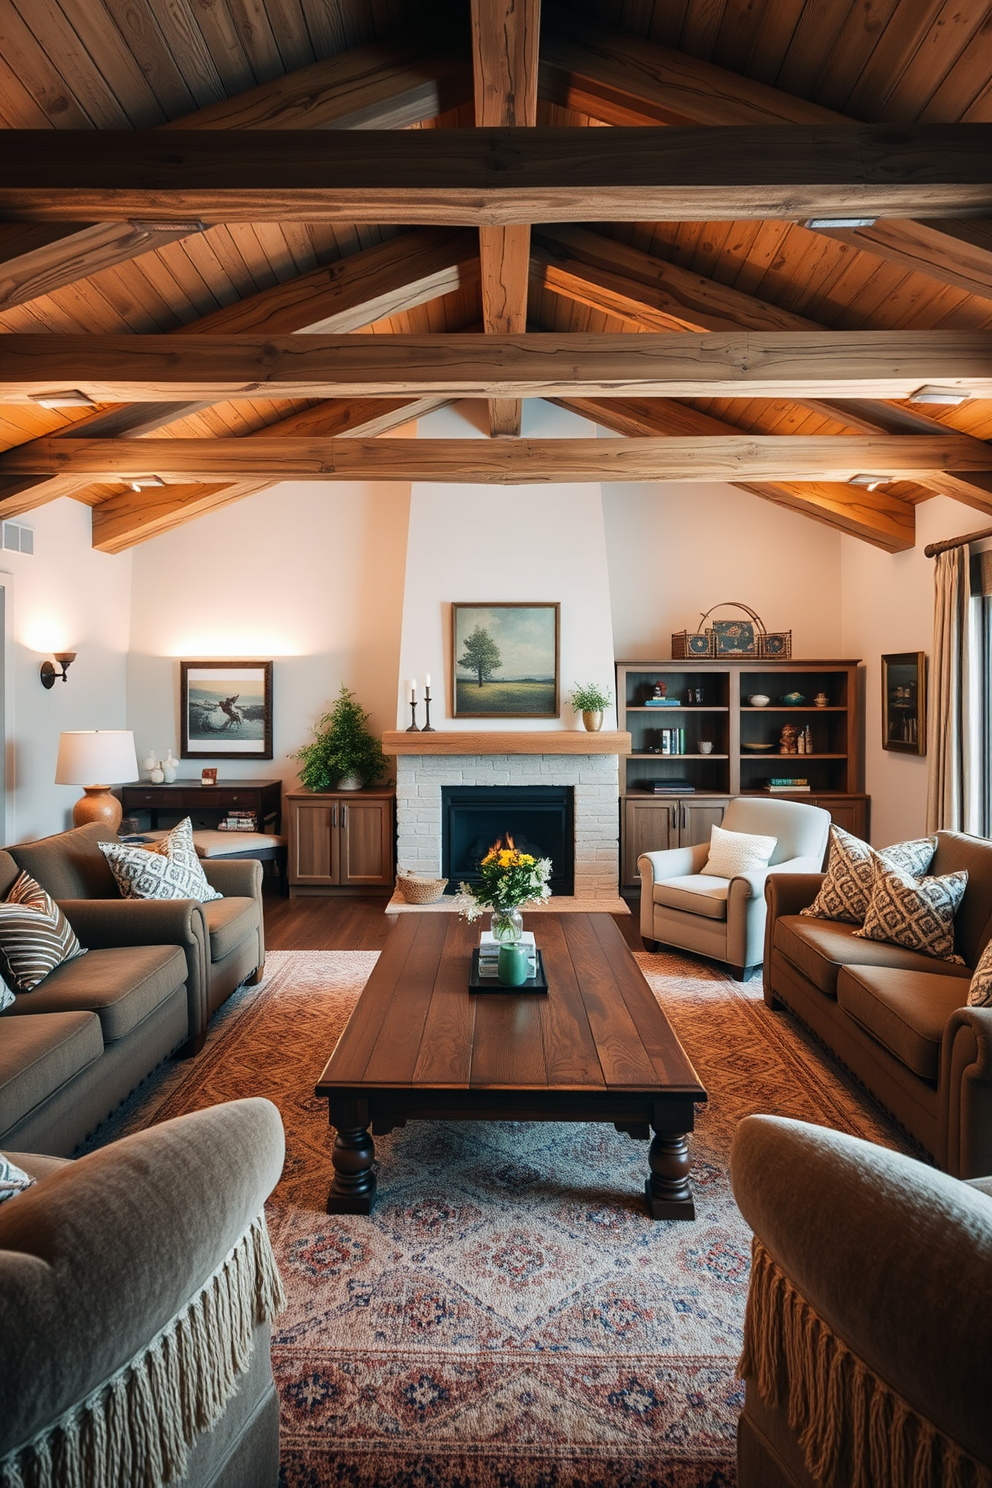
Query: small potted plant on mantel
pixel 591 701
pixel 343 755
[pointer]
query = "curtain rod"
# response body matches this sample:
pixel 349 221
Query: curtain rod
pixel 932 549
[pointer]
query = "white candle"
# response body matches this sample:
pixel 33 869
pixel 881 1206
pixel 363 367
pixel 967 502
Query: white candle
pixel 427 679
pixel 413 689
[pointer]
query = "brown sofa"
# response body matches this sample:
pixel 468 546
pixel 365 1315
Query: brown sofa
pixel 897 1019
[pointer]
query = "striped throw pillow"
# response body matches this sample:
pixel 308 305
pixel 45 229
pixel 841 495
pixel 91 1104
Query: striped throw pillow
pixel 169 869
pixel 915 913
pixel 35 935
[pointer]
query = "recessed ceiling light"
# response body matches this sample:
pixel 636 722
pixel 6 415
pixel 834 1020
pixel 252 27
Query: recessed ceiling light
pixel 62 398
pixel 169 225
pixel 870 482
pixel 930 394
pixel 142 481
pixel 840 222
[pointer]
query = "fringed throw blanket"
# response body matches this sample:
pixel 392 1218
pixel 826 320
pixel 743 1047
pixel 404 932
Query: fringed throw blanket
pixel 135 1430
pixel 853 1430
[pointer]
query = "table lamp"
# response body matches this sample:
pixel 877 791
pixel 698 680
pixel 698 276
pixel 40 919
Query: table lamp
pixel 87 755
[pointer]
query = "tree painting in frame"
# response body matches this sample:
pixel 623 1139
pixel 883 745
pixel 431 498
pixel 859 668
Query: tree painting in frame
pixel 904 702
pixel 504 660
pixel 225 709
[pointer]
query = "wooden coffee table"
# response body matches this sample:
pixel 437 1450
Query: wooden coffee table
pixel 595 1047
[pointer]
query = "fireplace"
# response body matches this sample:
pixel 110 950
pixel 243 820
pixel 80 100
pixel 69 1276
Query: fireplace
pixel 539 818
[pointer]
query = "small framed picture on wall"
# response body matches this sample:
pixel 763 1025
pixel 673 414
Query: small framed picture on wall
pixel 225 709
pixel 904 702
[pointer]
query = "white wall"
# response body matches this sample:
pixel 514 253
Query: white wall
pixel 676 549
pixel 64 597
pixel 486 543
pixel 887 602
pixel 309 574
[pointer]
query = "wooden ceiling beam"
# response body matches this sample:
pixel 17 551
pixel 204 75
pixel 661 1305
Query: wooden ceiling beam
pixel 505 36
pixel 762 364
pixel 623 79
pixel 411 269
pixel 384 85
pixel 878 517
pixel 124 518
pixel 497 177
pixel 727 457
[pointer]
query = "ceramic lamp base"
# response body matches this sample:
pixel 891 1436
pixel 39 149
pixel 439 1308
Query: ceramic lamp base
pixel 97 805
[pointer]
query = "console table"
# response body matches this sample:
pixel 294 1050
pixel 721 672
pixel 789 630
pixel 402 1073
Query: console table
pixel 190 798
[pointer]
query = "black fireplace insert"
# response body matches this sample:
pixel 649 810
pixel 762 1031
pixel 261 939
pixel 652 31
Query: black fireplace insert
pixel 539 818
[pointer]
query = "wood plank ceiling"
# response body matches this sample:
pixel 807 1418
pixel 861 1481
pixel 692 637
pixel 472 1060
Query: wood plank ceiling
pixel 226 293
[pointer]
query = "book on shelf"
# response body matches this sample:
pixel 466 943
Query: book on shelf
pixel 662 703
pixel 788 780
pixel 788 790
pixel 672 741
pixel 670 787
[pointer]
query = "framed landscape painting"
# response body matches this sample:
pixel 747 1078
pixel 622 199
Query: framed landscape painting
pixel 504 660
pixel 225 709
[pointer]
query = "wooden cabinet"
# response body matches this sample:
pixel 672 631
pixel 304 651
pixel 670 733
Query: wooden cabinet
pixel 340 840
pixel 709 703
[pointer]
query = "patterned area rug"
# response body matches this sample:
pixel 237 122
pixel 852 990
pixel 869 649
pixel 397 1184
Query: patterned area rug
pixel 508 1317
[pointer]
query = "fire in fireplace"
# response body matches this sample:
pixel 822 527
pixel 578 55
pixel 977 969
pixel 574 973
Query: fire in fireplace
pixel 539 818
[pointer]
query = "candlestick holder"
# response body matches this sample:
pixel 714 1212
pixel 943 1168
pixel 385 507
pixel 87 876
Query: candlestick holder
pixel 428 728
pixel 413 729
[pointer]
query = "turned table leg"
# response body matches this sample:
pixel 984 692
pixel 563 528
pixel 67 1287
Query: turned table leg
pixel 353 1189
pixel 668 1191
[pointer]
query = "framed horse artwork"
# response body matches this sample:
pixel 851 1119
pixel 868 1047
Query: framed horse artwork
pixel 225 710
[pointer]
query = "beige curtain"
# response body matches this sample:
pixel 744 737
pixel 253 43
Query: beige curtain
pixel 953 741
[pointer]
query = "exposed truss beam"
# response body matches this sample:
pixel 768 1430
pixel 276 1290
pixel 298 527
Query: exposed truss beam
pixel 624 79
pixel 502 176
pixel 877 517
pixel 384 85
pixel 129 517
pixel 728 457
pixel 384 280
pixel 505 37
pixel 858 364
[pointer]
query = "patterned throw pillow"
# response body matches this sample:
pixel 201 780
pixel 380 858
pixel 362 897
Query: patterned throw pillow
pixel 13 1180
pixel 737 852
pixel 6 997
pixel 980 990
pixel 847 888
pixel 916 913
pixel 35 935
pixel 168 869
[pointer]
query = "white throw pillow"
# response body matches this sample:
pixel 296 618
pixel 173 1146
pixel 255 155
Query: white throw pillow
pixel 732 853
pixel 169 869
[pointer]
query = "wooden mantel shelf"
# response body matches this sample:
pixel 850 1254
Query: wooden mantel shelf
pixel 518 741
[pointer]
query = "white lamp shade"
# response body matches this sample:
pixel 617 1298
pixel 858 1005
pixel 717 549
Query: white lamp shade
pixel 96 757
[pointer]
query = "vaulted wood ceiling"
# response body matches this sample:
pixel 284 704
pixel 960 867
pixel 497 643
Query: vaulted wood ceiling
pixel 261 297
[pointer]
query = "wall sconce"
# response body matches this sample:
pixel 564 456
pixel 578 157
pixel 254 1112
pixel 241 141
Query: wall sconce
pixel 48 672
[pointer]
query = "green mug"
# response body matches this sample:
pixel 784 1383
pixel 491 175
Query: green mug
pixel 511 967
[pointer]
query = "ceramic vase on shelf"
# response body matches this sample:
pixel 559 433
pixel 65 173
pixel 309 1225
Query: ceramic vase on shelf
pixel 150 764
pixel 158 775
pixel 593 721
pixel 507 925
pixel 169 765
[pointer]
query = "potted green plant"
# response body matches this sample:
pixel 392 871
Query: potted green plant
pixel 343 755
pixel 590 701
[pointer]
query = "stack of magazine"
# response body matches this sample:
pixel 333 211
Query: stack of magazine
pixel 489 953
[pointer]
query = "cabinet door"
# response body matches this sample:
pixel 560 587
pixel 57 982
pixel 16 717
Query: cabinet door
pixel 313 842
pixel 649 826
pixel 696 818
pixel 850 813
pixel 366 833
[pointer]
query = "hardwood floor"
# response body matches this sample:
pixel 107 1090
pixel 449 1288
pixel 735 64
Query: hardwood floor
pixel 356 923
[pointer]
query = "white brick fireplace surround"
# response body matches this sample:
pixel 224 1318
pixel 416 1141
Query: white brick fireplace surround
pixel 593 775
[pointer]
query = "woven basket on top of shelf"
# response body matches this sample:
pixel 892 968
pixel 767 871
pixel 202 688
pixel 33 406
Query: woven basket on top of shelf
pixel 417 888
pixel 732 637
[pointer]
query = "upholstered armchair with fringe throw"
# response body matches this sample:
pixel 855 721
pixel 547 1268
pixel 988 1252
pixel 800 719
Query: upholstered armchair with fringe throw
pixel 685 904
pixel 868 1330
pixel 137 1285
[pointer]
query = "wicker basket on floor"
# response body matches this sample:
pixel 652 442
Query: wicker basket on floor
pixel 416 888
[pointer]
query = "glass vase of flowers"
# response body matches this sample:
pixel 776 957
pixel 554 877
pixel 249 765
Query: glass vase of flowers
pixel 508 880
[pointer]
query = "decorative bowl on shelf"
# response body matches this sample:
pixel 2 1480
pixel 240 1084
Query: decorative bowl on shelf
pixel 793 699
pixel 759 700
pixel 756 748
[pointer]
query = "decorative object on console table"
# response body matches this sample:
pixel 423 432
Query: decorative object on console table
pixel 591 701
pixel 96 759
pixel 225 708
pixel 904 702
pixel 344 754
pixel 504 660
pixel 208 776
pixel 732 637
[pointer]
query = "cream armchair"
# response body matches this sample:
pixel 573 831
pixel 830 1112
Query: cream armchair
pixel 725 917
